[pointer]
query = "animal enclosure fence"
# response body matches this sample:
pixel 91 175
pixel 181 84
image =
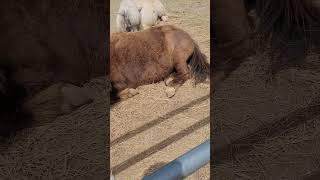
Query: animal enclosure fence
pixel 184 165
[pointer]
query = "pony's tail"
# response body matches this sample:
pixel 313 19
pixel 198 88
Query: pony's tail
pixel 200 68
pixel 284 25
pixel 279 17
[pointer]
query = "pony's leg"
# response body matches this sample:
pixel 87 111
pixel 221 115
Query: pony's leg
pixel 133 92
pixel 179 78
pixel 169 79
pixel 74 96
pixel 45 106
pixel 253 19
pixel 164 18
pixel 135 28
pixel 56 100
pixel 127 93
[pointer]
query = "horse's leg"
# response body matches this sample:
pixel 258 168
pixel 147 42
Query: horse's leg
pixel 133 92
pixel 164 18
pixel 75 96
pixel 253 20
pixel 45 106
pixel 135 28
pixel 124 92
pixel 182 75
pixel 127 93
pixel 56 100
pixel 169 79
pixel 233 43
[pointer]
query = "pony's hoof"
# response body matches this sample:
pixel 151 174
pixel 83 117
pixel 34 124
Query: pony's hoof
pixel 164 18
pixel 75 96
pixel 128 93
pixel 170 91
pixel 133 92
pixel 167 81
pixel 207 81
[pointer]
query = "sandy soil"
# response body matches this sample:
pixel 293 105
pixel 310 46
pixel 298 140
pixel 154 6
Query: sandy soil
pixel 245 101
pixel 151 129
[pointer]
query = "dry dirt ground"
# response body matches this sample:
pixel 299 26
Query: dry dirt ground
pixel 151 129
pixel 246 101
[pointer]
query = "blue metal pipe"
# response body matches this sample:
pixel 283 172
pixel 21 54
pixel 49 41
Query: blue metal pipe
pixel 184 165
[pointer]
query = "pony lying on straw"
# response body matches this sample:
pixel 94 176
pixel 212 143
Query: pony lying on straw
pixel 149 56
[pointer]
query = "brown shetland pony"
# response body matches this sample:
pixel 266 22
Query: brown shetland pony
pixel 232 38
pixel 47 49
pixel 159 53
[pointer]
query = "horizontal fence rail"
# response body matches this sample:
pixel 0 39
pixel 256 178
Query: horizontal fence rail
pixel 184 165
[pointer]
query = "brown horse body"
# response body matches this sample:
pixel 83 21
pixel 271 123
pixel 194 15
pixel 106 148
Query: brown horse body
pixel 45 45
pixel 153 55
pixel 232 37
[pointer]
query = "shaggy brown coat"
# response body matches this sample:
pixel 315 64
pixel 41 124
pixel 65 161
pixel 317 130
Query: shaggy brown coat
pixel 232 33
pixel 151 55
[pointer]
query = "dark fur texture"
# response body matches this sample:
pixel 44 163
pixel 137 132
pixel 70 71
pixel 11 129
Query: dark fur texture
pixel 199 67
pixel 151 55
pixel 232 43
pixel 289 25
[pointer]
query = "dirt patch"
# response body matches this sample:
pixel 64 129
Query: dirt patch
pixel 246 101
pixel 150 128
